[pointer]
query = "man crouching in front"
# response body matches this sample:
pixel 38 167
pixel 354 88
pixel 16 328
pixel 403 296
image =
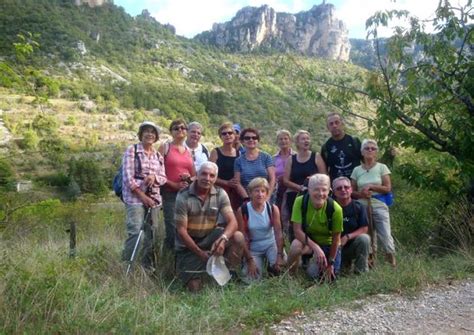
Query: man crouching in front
pixel 198 236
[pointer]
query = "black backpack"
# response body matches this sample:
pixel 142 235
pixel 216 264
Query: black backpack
pixel 304 210
pixel 118 179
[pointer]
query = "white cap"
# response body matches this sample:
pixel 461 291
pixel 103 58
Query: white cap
pixel 216 268
pixel 149 124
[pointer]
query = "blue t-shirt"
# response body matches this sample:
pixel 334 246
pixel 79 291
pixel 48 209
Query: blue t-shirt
pixel 253 169
pixel 261 232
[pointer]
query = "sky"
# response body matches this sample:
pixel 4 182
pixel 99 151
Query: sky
pixel 191 17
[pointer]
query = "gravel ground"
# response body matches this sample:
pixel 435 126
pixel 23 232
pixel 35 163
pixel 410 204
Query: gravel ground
pixel 446 309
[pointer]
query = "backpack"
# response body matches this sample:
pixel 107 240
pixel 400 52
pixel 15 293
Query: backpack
pixel 245 216
pixel 118 179
pixel 304 210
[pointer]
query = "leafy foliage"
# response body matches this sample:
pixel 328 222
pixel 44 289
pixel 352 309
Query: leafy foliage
pixel 88 175
pixel 6 174
pixel 424 98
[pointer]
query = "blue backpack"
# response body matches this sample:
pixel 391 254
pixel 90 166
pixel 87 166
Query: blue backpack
pixel 118 179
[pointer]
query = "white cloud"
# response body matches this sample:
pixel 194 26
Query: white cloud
pixel 355 12
pixel 192 17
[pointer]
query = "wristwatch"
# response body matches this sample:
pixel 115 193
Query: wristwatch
pixel 331 261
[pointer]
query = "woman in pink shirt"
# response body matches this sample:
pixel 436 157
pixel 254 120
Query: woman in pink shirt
pixel 179 173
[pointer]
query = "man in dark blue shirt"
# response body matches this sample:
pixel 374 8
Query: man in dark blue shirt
pixel 355 242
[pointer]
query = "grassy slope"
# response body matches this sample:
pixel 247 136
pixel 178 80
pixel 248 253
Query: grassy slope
pixel 44 291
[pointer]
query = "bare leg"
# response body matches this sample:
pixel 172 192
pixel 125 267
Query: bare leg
pixel 296 249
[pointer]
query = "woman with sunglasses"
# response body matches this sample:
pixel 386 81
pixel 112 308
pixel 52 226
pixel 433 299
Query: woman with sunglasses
pixel 225 156
pixel 370 180
pixel 253 163
pixel 179 168
pixel 299 168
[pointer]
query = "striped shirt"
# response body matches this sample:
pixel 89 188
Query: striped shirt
pixel 250 169
pixel 200 216
pixel 152 164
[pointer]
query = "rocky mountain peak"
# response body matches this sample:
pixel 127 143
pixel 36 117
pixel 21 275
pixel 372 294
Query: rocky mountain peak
pixel 92 3
pixel 316 32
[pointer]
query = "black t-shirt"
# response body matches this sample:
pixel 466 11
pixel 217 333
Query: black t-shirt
pixel 353 220
pixel 341 157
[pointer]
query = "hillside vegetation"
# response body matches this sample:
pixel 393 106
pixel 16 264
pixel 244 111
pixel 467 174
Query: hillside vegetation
pixel 75 84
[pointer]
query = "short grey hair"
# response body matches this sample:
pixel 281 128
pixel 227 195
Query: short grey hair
pixel 318 179
pixel 334 182
pixel 367 141
pixel 195 124
pixel 209 164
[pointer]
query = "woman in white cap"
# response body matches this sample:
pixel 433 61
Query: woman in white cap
pixel 143 174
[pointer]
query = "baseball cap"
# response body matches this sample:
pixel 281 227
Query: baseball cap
pixel 236 127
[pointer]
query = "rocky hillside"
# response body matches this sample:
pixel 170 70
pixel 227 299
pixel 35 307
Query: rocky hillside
pixel 316 32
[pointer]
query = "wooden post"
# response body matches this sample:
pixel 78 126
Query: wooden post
pixel 72 239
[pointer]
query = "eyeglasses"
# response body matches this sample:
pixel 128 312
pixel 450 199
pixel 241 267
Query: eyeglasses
pixel 342 187
pixel 193 154
pixel 370 149
pixel 248 138
pixel 179 128
pixel 224 133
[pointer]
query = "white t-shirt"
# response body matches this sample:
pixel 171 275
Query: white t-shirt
pixel 198 155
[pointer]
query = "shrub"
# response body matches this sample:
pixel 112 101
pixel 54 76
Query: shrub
pixel 6 174
pixel 45 125
pixel 88 175
pixel 30 140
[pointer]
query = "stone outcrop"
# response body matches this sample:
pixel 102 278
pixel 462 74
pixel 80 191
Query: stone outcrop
pixel 316 32
pixel 92 3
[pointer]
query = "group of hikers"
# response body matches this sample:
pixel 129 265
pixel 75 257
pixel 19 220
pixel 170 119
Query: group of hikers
pixel 239 202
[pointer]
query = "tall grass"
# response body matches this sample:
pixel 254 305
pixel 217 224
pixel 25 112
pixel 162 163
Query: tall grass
pixel 44 291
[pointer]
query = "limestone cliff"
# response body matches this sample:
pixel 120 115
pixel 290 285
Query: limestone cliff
pixel 92 3
pixel 316 32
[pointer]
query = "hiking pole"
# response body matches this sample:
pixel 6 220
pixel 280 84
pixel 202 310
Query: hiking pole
pixel 135 248
pixel 371 233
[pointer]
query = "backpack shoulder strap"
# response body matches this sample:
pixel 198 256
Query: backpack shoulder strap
pixel 205 150
pixel 329 212
pixel 245 221
pixel 324 152
pixel 136 157
pixel 270 212
pixel 167 146
pixel 304 210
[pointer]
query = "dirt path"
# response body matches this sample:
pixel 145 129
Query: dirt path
pixel 446 309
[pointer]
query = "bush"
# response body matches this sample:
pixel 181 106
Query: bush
pixel 56 179
pixel 30 140
pixel 45 124
pixel 88 175
pixel 6 175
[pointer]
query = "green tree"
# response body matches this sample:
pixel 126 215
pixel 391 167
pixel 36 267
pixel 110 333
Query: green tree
pixel 423 89
pixel 88 175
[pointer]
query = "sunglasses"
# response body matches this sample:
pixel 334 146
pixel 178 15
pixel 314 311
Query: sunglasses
pixel 342 187
pixel 224 133
pixel 248 138
pixel 370 149
pixel 179 128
